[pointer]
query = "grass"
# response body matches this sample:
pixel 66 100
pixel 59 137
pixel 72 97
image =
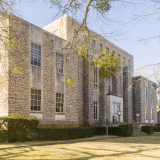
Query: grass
pixel 126 148
pixel 23 144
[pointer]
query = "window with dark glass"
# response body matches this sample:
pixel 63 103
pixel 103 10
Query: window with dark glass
pixel 59 102
pixel 107 50
pixel 59 62
pixel 35 100
pixel 93 43
pixel 95 111
pixel 100 47
pixel 35 54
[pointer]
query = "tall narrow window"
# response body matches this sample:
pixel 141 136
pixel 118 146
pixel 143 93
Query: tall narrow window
pixel 93 43
pixel 95 110
pixel 59 63
pixel 100 47
pixel 75 33
pixel 35 100
pixel 152 114
pixel 113 52
pixel 146 92
pixel 95 76
pixel 35 54
pixel 129 63
pixel 85 40
pixel 119 56
pixel 124 60
pixel 59 102
pixel 146 113
pixel 107 50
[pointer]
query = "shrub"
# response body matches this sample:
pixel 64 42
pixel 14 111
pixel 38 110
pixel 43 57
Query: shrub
pixel 118 131
pixel 158 124
pixel 156 128
pixel 100 131
pixel 63 133
pixel 18 127
pixel 122 130
pixel 129 129
pixel 147 129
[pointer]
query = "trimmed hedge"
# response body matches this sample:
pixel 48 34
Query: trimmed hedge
pixel 100 131
pixel 122 130
pixel 64 133
pixel 147 129
pixel 118 131
pixel 17 128
pixel 129 129
pixel 156 128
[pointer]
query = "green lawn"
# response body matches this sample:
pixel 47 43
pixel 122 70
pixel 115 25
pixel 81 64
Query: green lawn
pixel 129 148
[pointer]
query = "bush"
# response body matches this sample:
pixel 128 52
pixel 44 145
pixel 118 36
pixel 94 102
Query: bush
pixel 156 128
pixel 63 133
pixel 100 131
pixel 122 130
pixel 18 127
pixel 158 124
pixel 129 129
pixel 118 131
pixel 147 129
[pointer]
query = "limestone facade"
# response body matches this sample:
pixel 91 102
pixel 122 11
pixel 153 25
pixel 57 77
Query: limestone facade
pixel 41 90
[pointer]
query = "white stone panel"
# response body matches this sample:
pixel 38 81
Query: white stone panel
pixel 59 117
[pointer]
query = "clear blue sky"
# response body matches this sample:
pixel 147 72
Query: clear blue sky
pixel 126 35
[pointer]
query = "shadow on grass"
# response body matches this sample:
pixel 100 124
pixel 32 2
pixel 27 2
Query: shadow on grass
pixel 88 152
pixel 10 154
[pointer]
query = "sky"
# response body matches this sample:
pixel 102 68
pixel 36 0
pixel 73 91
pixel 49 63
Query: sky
pixel 124 26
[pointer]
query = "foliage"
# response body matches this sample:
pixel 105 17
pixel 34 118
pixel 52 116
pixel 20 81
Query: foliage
pixel 69 80
pixel 129 129
pixel 100 131
pixel 109 64
pixel 63 133
pixel 156 128
pixel 118 131
pixel 18 127
pixel 82 51
pixel 147 129
pixel 102 6
pixel 122 130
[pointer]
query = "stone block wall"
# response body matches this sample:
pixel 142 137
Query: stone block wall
pixel 140 102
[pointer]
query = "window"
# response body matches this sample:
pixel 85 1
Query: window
pixel 124 60
pixel 59 63
pixel 59 102
pixel 107 50
pixel 95 76
pixel 152 114
pixel 119 56
pixel 116 107
pixel 151 95
pixel 129 63
pixel 146 113
pixel 75 33
pixel 100 47
pixel 113 52
pixel 35 100
pixel 146 92
pixel 35 54
pixel 93 43
pixel 95 110
pixel 85 40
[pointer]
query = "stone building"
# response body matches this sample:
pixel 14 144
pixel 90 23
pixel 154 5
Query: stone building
pixel 41 90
